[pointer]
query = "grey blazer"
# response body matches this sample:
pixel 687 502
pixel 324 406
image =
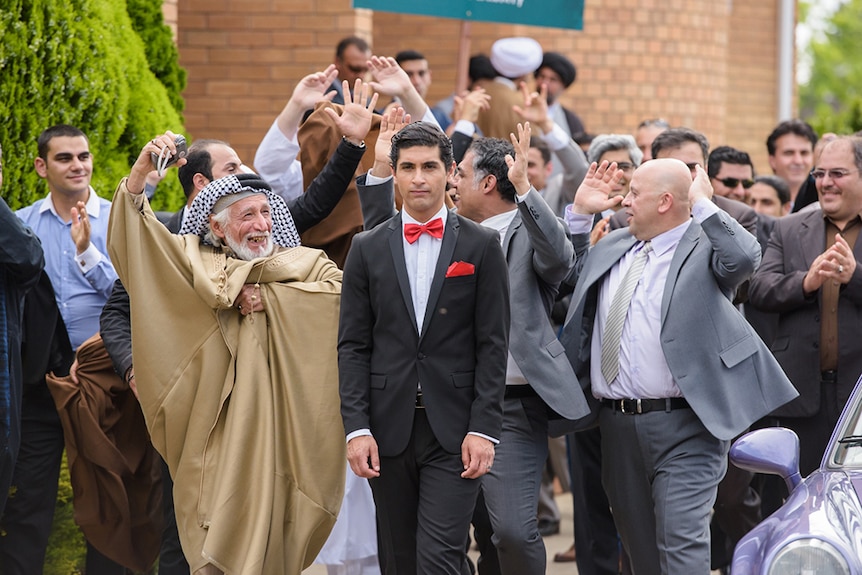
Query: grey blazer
pixel 724 370
pixel 560 189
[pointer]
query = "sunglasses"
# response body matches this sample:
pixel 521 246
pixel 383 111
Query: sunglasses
pixel 733 182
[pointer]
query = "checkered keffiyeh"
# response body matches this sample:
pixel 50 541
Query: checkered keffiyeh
pixel 196 219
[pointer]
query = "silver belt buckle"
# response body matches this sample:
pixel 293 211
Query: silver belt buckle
pixel 638 407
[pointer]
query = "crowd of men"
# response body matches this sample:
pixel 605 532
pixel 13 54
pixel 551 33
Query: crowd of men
pixel 455 288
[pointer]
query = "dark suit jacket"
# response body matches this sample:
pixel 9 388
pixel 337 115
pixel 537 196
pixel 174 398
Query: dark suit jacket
pixel 460 357
pixel 726 373
pixel 796 241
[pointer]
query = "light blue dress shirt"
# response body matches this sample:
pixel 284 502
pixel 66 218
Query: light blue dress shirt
pixel 82 283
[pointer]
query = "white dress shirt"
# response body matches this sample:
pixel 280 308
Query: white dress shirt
pixel 420 258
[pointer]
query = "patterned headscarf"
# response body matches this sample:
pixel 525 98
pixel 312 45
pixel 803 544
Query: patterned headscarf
pixel 197 217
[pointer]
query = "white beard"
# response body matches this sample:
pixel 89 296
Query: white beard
pixel 247 254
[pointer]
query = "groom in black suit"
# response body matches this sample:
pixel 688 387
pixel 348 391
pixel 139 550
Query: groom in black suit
pixel 422 353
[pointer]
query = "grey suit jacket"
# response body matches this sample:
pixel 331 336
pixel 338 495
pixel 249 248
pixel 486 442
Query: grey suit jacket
pixel 539 255
pixel 725 371
pixel 794 244
pixel 560 189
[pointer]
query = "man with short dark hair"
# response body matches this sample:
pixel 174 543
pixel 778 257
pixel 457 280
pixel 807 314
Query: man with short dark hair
pixel 791 152
pixel 769 196
pixel 416 66
pixel 730 172
pixel 72 223
pixel 496 193
pixel 422 349
pixel 351 62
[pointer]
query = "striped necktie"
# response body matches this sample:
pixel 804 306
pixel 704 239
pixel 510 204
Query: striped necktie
pixel 617 315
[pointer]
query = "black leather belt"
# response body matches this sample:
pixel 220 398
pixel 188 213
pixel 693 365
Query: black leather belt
pixel 519 391
pixel 636 406
pixel 829 376
pixel 420 402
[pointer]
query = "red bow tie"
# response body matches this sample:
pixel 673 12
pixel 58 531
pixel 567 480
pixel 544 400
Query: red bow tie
pixel 434 228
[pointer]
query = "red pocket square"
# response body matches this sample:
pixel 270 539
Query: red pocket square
pixel 460 269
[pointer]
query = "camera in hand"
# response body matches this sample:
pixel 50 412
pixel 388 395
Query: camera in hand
pixel 166 159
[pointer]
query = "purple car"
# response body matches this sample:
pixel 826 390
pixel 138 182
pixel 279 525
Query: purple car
pixel 818 530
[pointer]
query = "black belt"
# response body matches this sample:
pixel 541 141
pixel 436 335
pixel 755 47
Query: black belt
pixel 420 402
pixel 829 376
pixel 519 391
pixel 635 406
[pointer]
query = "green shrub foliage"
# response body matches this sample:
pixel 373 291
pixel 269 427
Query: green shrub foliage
pixel 81 62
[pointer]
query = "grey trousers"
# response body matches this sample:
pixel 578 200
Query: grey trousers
pixel 511 488
pixel 661 472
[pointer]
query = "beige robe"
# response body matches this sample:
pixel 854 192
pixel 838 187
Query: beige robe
pixel 244 409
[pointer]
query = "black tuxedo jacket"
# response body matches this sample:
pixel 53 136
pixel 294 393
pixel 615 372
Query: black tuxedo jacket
pixel 459 359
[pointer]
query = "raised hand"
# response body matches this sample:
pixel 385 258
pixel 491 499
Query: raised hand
pixel 700 187
pixel 518 165
pixel 468 105
pixel 355 119
pixel 535 109
pixel 592 195
pixel 390 79
pixel 313 88
pixel 144 164
pixel 390 124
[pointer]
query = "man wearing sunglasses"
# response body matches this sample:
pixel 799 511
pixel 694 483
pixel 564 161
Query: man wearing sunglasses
pixel 731 172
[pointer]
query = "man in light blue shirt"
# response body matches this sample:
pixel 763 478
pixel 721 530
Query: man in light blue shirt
pixel 71 222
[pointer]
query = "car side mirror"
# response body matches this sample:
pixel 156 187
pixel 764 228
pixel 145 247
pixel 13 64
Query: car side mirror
pixel 773 450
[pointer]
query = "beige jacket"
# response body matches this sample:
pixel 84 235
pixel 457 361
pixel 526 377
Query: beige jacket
pixel 245 410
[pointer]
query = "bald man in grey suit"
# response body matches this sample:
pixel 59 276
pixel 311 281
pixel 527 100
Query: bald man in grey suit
pixel 692 373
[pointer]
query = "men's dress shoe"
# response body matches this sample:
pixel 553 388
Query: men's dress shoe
pixel 567 556
pixel 548 527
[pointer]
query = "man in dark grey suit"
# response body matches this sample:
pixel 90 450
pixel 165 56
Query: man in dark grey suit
pixel 422 348
pixel 811 277
pixel 540 382
pixel 670 393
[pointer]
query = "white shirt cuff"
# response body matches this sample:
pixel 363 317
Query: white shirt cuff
pixel 372 180
pixel 523 198
pixel 483 436
pixel 578 223
pixel 557 138
pixel 702 209
pixel 465 127
pixel 358 433
pixel 89 259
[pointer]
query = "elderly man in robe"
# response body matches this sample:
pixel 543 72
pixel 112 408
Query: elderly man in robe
pixel 234 336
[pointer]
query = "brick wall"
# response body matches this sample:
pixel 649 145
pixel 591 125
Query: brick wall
pixel 707 65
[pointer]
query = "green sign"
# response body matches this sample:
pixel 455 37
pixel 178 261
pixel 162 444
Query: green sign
pixel 549 13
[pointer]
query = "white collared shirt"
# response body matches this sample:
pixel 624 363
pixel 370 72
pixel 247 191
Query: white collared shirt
pixel 420 258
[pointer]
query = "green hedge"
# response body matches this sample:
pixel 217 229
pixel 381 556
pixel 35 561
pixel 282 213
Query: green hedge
pixel 110 69
pixel 81 62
